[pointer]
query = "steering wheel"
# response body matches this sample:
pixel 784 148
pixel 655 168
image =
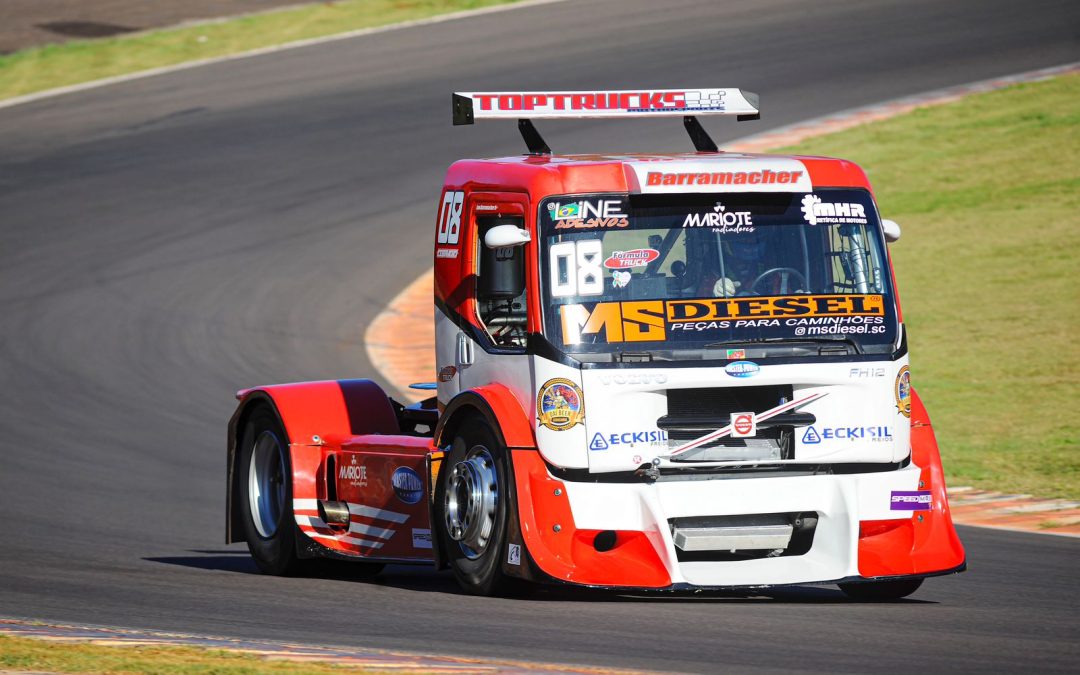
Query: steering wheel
pixel 785 273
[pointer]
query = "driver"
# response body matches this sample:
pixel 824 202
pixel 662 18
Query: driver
pixel 743 265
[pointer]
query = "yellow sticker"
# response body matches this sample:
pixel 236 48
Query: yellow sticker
pixel 559 404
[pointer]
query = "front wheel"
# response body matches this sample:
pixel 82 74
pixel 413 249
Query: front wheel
pixel 265 491
pixel 474 508
pixel 880 591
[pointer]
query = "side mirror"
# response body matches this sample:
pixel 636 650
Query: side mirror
pixel 502 262
pixel 891 229
pixel 505 236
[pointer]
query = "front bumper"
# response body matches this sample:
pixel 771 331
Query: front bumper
pixel 858 534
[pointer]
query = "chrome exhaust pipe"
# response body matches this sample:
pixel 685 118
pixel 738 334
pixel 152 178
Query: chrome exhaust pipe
pixel 334 513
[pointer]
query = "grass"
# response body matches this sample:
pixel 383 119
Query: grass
pixel 38 655
pixel 69 63
pixel 987 191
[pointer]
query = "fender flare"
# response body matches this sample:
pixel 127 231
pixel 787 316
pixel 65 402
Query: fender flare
pixel 306 409
pixel 498 406
pixel 925 544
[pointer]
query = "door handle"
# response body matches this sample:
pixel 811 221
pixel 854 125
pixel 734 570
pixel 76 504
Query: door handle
pixel 464 351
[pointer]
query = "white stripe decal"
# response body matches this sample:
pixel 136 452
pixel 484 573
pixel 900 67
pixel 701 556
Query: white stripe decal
pixel 726 431
pixel 345 540
pixel 377 514
pixel 354 509
pixel 354 528
pixel 360 528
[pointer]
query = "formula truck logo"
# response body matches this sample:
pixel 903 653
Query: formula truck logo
pixel 827 213
pixel 638 257
pixel 559 406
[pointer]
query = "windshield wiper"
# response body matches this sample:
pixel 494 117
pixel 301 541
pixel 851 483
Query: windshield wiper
pixel 791 340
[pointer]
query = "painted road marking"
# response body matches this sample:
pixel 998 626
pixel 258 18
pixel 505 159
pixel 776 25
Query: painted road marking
pixel 360 32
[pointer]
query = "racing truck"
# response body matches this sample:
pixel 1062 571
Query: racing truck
pixel 654 372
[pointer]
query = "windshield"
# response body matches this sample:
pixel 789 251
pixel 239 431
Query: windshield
pixel 679 276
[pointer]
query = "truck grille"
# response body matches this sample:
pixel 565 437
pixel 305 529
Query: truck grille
pixel 743 537
pixel 692 413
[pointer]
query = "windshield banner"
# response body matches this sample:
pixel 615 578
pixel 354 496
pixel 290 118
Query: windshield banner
pixel 656 320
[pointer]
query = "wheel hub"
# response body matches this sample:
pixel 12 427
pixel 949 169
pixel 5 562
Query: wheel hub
pixel 266 484
pixel 472 497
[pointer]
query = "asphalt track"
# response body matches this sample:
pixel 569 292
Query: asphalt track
pixel 166 241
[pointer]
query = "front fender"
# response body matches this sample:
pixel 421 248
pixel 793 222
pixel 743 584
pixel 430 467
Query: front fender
pixel 927 542
pixel 499 408
pixel 504 415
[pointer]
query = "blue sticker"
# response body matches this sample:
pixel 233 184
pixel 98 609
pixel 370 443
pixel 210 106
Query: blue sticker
pixel 875 434
pixel 742 369
pixel 407 485
pixel 598 443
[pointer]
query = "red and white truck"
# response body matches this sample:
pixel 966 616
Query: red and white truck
pixel 654 372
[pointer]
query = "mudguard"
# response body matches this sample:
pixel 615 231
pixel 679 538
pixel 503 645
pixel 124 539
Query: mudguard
pixel 926 543
pixel 502 412
pixel 306 410
pixel 500 409
pixel 562 551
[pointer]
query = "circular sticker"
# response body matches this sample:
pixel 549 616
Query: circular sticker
pixel 903 392
pixel 559 405
pixel 743 424
pixel 407 485
pixel 742 369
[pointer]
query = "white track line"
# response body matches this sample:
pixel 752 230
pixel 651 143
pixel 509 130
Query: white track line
pixel 153 72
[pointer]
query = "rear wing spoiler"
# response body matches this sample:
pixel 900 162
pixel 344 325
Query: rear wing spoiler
pixel 526 106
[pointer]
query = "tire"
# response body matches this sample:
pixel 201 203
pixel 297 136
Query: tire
pixel 880 591
pixel 473 500
pixel 264 474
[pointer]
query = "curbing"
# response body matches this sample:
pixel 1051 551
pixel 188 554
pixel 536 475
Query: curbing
pixel 370 660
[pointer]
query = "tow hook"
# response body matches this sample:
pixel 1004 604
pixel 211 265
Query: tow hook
pixel 649 472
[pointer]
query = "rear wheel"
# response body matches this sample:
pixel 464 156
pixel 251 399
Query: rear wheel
pixel 265 492
pixel 473 499
pixel 880 591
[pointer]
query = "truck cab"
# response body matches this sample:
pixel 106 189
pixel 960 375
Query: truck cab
pixel 664 371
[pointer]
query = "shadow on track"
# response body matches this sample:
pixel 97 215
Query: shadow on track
pixel 417 578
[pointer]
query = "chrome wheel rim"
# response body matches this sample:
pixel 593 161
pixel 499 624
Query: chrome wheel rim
pixel 471 502
pixel 266 484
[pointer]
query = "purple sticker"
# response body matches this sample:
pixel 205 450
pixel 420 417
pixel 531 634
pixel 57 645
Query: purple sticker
pixel 920 500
